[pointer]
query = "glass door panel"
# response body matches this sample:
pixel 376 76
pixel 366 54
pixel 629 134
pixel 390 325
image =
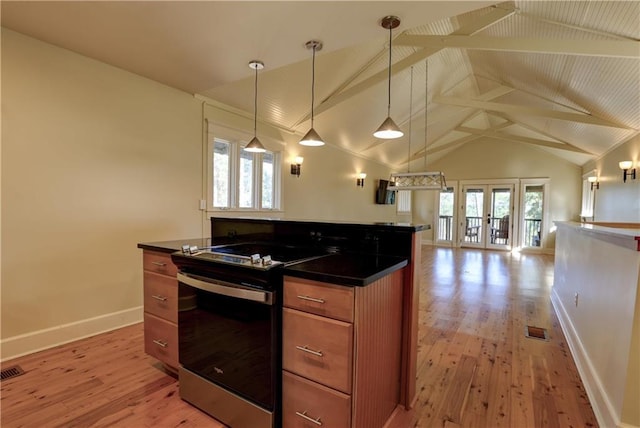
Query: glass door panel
pixel 533 210
pixel 473 214
pixel 446 206
pixel 499 217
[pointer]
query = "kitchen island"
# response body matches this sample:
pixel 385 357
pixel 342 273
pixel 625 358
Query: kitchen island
pixel 357 257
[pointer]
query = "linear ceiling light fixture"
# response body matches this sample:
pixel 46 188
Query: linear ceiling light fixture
pixel 255 145
pixel 311 138
pixel 389 130
pixel 433 180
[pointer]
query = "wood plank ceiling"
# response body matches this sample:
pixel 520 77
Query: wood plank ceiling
pixel 563 76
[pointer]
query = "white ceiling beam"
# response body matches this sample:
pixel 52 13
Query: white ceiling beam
pixel 495 15
pixel 532 111
pixel 490 133
pixel 495 93
pixel 460 141
pixel 605 48
pixel 517 122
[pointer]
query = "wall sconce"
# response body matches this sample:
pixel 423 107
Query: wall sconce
pixel 296 167
pixel 594 182
pixel 360 179
pixel 625 166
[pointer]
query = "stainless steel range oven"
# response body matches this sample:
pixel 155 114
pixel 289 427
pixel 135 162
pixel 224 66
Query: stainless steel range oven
pixel 229 325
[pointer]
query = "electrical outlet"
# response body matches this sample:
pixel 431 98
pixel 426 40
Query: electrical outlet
pixel 203 204
pixel 575 299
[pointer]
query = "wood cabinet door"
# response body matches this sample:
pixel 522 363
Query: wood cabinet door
pixel 304 402
pixel 318 348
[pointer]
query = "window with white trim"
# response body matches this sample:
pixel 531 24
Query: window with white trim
pixel 241 180
pixel 588 196
pixel 403 202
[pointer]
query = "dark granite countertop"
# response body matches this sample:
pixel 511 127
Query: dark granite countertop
pixel 347 269
pixel 342 269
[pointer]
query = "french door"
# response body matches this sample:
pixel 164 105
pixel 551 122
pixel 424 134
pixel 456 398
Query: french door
pixel 486 213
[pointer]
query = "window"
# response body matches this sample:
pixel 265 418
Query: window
pixel 404 202
pixel 588 196
pixel 242 180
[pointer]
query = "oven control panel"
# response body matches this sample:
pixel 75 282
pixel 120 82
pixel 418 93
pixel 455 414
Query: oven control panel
pixel 209 253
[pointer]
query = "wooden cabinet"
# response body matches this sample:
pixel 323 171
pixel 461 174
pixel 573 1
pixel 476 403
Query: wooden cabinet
pixel 306 401
pixel 160 308
pixel 341 352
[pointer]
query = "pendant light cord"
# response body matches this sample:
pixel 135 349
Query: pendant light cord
pixel 313 81
pixel 255 104
pixel 426 107
pixel 410 118
pixel 389 77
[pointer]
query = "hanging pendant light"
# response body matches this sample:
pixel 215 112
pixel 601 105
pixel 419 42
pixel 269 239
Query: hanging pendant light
pixel 389 130
pixel 311 138
pixel 255 145
pixel 428 180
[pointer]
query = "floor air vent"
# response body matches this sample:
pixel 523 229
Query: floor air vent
pixel 10 372
pixel 536 332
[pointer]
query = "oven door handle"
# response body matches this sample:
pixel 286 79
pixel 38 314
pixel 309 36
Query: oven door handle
pixel 226 289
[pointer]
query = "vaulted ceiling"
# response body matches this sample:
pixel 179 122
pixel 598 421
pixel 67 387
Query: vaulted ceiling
pixel 563 76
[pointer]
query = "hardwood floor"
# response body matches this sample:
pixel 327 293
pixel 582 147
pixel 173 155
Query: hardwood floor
pixel 103 381
pixel 476 368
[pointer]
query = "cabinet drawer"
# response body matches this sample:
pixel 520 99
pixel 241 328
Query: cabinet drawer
pixel 302 399
pixel 319 298
pixel 159 263
pixel 161 339
pixel 318 348
pixel 161 296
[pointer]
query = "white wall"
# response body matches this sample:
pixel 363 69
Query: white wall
pixel 617 201
pixel 500 160
pixel 603 269
pixel 94 160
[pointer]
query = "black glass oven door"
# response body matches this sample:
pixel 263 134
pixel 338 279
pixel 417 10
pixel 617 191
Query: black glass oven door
pixel 227 336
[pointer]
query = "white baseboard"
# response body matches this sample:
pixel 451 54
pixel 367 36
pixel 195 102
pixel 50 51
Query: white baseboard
pixel 602 407
pixel 29 343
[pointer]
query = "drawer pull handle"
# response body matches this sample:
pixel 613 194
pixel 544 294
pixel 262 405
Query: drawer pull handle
pixel 160 343
pixel 311 299
pixel 305 348
pixel 310 419
pixel 161 264
pixel 161 298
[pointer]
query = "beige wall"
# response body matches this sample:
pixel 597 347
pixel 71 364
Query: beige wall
pixel 617 201
pixel 94 160
pixel 501 160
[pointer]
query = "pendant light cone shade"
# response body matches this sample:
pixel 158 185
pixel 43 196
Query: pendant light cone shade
pixel 389 130
pixel 255 145
pixel 311 138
